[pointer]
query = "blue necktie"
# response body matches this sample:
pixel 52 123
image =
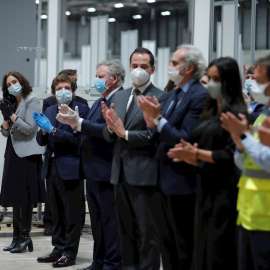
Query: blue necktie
pixel 174 102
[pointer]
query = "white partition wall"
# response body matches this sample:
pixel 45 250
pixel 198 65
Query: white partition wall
pixel 201 31
pixel 151 46
pixel 61 54
pixel 54 16
pixel 86 51
pixel 219 40
pixel 162 67
pixel 99 43
pixel 129 42
pixel 229 30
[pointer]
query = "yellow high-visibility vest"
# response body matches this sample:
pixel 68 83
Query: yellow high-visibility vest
pixel 253 203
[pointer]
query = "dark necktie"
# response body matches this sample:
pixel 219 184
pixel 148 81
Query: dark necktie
pixel 135 93
pixel 177 96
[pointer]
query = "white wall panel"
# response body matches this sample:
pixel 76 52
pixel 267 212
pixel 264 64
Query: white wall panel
pixel 162 67
pixel 99 43
pixel 129 42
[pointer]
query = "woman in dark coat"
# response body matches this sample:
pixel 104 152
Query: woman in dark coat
pixel 212 152
pixel 21 184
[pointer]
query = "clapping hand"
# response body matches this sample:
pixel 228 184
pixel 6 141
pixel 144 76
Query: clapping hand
pixel 6 108
pixel 67 116
pixel 42 121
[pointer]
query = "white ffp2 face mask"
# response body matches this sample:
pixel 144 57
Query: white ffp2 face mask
pixel 139 76
pixel 174 75
pixel 257 92
pixel 214 89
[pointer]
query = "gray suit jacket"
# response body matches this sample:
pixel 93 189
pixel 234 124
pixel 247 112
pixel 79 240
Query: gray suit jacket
pixel 23 131
pixel 138 154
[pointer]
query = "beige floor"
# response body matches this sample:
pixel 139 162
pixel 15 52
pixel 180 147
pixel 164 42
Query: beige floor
pixel 42 246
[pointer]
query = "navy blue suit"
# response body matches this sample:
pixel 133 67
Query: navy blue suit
pixel 97 156
pixel 178 180
pixel 63 181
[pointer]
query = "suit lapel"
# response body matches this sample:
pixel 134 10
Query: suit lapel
pixel 121 108
pixel 93 109
pixel 148 92
pixel 21 105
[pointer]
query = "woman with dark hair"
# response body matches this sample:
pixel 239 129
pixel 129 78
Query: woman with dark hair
pixel 22 165
pixel 212 153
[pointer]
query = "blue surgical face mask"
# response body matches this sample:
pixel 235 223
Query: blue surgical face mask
pixel 100 85
pixel 248 85
pixel 15 89
pixel 64 96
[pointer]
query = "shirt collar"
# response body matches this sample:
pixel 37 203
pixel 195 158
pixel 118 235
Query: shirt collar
pixel 142 88
pixel 111 93
pixel 186 86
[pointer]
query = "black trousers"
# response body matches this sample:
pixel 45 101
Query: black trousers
pixel 183 209
pixel 65 201
pixel 102 208
pixel 253 250
pixel 138 229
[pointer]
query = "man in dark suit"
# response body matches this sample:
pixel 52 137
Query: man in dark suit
pixel 134 171
pixel 61 169
pixel 179 116
pixel 96 155
pixel 47 102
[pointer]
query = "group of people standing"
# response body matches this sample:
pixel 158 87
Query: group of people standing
pixel 160 168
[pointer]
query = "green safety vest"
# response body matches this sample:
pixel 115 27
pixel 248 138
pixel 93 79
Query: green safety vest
pixel 253 203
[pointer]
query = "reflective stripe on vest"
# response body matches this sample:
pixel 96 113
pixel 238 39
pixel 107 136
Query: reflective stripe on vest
pixel 256 174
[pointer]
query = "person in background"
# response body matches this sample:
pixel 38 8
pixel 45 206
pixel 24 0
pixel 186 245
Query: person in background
pixel 62 171
pixel 211 150
pixel 96 156
pixel 254 185
pixel 255 107
pixel 169 86
pixel 204 79
pixel 21 182
pixel 47 102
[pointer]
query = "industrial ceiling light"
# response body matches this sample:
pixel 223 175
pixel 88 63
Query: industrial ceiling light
pixel 37 2
pixel 151 1
pixel 111 20
pixel 68 13
pixel 91 9
pixel 43 17
pixel 166 13
pixel 137 17
pixel 118 5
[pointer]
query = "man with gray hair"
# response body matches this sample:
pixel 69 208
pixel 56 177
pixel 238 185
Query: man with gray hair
pixel 96 155
pixel 178 117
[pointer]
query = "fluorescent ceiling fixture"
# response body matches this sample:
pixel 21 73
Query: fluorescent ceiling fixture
pixel 37 2
pixel 68 13
pixel 165 13
pixel 137 17
pixel 91 9
pixel 43 17
pixel 151 1
pixel 118 5
pixel 111 20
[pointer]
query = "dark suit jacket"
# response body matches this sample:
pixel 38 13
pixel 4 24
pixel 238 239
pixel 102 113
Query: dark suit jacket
pixel 96 153
pixel 179 178
pixel 138 153
pixel 50 101
pixel 65 144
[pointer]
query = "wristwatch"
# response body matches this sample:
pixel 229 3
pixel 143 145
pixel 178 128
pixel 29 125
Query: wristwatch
pixel 53 130
pixel 157 119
